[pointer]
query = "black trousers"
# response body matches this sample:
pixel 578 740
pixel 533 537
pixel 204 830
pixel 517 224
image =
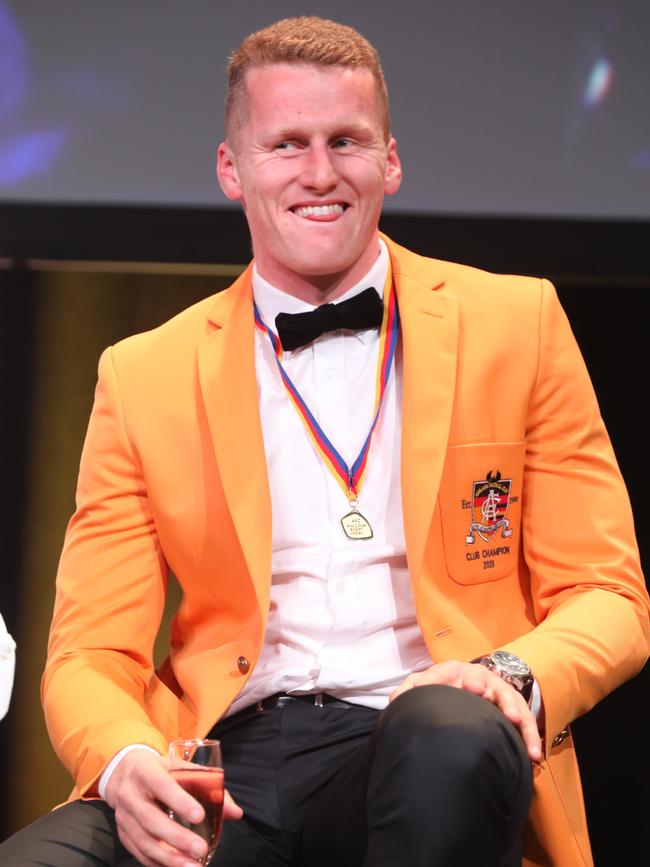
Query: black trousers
pixel 438 779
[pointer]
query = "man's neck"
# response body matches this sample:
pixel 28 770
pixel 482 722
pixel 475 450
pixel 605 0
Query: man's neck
pixel 271 300
pixel 318 289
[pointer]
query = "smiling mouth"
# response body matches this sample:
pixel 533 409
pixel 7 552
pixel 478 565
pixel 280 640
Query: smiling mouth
pixel 309 211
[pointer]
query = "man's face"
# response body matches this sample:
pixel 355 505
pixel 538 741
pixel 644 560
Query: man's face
pixel 311 165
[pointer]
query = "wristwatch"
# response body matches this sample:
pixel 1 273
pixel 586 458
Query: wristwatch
pixel 512 669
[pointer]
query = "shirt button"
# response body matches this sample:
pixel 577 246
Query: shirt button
pixel 243 665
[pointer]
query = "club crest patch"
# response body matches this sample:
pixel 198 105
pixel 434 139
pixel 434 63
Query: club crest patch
pixel 490 501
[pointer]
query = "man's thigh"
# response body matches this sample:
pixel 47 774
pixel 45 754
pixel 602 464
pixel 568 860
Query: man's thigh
pixel 276 761
pixel 76 835
pixel 444 779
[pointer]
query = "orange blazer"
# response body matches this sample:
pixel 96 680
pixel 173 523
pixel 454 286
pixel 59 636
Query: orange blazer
pixel 173 477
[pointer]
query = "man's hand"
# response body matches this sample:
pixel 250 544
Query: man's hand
pixel 141 791
pixel 481 681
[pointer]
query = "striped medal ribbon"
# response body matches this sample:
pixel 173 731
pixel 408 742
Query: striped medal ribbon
pixel 350 478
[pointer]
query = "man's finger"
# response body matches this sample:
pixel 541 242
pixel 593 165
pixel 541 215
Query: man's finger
pixel 530 734
pixel 168 792
pixel 131 845
pixel 404 686
pixel 513 706
pixel 231 810
pixel 436 674
pixel 161 828
pixel 152 832
pixel 479 680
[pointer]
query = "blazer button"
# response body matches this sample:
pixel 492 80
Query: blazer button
pixel 557 740
pixel 243 665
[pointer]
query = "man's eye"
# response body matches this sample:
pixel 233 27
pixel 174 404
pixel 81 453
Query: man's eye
pixel 342 143
pixel 285 146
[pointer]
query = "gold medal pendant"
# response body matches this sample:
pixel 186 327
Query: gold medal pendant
pixel 355 526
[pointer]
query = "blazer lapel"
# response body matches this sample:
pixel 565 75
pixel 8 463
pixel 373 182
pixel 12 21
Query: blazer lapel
pixel 429 323
pixel 229 389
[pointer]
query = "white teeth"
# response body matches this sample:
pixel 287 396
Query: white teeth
pixel 318 210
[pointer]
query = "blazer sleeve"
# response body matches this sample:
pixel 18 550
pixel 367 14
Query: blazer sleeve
pixel 110 592
pixel 588 591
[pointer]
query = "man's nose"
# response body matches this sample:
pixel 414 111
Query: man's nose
pixel 319 172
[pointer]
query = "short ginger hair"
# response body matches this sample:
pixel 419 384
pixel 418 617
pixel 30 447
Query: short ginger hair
pixel 309 40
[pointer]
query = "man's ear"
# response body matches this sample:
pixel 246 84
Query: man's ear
pixel 393 180
pixel 227 172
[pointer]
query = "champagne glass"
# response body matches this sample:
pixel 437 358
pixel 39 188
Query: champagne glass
pixel 196 766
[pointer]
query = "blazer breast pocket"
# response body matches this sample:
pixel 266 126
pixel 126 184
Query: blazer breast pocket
pixel 480 508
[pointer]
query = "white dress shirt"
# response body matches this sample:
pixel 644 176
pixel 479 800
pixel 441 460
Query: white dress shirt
pixel 341 618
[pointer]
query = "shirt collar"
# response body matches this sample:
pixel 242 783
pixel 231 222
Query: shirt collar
pixel 271 300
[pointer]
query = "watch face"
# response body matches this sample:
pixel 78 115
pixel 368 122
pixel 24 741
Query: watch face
pixel 511 664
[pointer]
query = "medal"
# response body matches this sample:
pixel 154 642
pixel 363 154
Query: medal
pixel 354 525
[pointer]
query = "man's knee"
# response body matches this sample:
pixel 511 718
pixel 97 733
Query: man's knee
pixel 446 729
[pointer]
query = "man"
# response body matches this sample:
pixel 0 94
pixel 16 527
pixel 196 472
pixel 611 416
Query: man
pixel 379 533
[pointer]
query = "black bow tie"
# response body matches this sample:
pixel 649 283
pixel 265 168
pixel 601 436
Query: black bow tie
pixel 364 311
